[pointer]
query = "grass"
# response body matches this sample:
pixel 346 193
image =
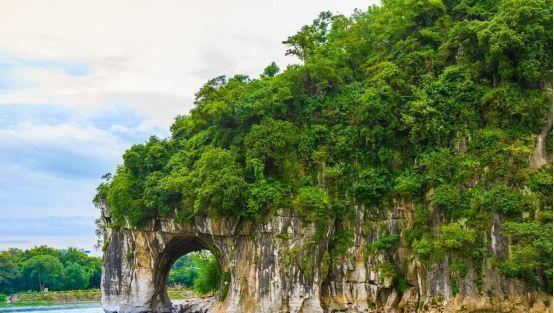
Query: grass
pixel 35 298
pixel 28 303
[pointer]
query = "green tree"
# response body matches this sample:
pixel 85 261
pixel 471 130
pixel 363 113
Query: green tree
pixel 216 183
pixel 209 274
pixel 184 271
pixel 42 271
pixel 95 273
pixel 531 257
pixel 8 272
pixel 75 277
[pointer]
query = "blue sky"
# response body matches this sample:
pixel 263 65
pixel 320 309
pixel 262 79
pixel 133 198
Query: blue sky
pixel 81 82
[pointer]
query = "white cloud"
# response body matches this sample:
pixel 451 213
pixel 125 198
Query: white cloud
pixel 82 80
pixel 33 141
pixel 49 133
pixel 118 128
pixel 136 48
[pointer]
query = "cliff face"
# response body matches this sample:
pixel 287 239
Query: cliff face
pixel 281 265
pixel 263 263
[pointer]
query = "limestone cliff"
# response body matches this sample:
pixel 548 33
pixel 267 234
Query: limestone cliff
pixel 280 265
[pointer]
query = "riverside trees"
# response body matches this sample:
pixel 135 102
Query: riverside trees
pixel 43 267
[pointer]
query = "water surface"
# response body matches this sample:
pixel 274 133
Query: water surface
pixel 62 308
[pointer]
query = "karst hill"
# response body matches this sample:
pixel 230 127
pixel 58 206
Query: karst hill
pixel 403 166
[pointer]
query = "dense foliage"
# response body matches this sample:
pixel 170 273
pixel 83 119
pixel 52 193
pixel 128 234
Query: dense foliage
pixel 43 267
pixel 435 103
pixel 197 270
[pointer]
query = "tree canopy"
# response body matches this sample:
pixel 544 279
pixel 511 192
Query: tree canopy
pixel 196 270
pixel 43 267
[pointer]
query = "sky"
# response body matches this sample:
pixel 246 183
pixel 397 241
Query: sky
pixel 81 81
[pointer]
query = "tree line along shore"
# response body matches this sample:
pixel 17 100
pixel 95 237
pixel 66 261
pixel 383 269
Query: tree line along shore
pixel 43 275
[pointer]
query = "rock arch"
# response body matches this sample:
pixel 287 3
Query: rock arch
pixel 177 246
pixel 137 262
pixel 264 274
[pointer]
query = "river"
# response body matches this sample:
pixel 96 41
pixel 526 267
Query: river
pixel 64 308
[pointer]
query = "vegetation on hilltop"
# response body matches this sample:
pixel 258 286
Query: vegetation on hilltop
pixel 433 102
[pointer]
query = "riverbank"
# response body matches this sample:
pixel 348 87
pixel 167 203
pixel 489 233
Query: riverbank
pixel 36 298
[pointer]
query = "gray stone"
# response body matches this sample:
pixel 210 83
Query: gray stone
pixel 279 266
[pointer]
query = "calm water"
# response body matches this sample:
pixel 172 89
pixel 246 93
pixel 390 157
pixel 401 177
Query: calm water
pixel 65 308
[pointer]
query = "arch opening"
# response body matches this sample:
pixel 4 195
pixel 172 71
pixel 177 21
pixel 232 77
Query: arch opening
pixel 195 273
pixel 196 267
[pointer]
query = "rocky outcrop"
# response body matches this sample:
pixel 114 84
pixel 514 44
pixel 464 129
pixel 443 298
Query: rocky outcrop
pixel 196 305
pixel 282 265
pixel 271 267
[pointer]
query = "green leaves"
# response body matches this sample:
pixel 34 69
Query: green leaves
pixel 75 277
pixel 304 43
pixel 517 40
pixel 312 203
pixel 42 271
pixel 512 107
pixel 142 159
pixel 455 237
pixel 371 185
pixel 442 107
pixel 507 200
pixel 273 142
pixel 541 184
pixel 43 267
pixel 209 273
pixel 122 198
pixel 264 197
pixel 409 184
pixel 271 70
pixel 216 184
pixel 199 270
pixel 8 272
pixel 384 242
pixel 450 199
pixel 531 256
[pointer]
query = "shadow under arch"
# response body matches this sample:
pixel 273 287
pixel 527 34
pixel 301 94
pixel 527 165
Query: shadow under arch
pixel 179 246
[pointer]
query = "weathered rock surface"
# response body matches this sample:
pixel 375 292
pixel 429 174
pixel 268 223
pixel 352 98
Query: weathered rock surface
pixel 281 265
pixel 264 264
pixel 196 305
